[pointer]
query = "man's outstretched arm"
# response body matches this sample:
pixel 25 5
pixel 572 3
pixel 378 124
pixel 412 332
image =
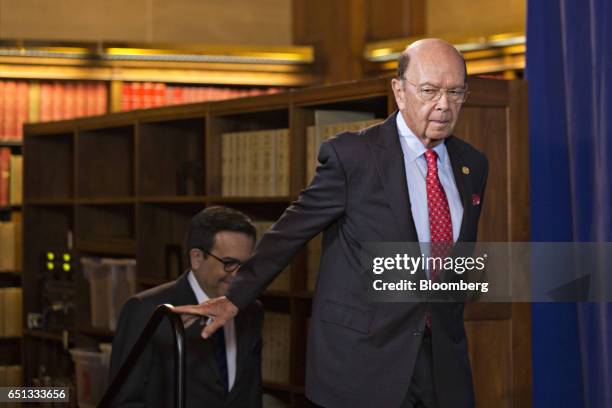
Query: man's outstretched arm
pixel 318 206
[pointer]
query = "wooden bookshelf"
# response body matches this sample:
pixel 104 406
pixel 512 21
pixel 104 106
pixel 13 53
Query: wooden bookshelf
pixel 126 184
pixel 11 346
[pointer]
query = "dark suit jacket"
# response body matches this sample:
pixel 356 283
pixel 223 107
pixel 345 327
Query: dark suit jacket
pixel 151 384
pixel 362 354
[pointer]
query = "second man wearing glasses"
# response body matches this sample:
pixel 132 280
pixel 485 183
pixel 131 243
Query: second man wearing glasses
pixel 223 371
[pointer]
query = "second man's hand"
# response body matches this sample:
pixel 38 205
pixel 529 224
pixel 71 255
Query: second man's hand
pixel 220 309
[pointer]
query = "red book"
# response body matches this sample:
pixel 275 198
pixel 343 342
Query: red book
pixel 80 97
pixel 2 137
pixel 126 96
pixel 137 95
pixel 46 94
pixel 101 98
pixel 177 95
pixel 23 97
pixel 90 100
pixel 10 112
pixel 160 94
pixel 57 101
pixel 147 94
pixel 5 159
pixel 69 100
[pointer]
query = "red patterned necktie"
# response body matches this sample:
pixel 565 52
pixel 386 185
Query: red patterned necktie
pixel 440 224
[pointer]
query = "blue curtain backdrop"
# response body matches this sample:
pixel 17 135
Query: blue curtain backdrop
pixel 569 69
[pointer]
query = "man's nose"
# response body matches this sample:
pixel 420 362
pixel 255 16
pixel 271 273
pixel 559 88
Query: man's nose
pixel 443 103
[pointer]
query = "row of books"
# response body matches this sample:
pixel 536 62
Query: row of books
pixel 255 163
pixel 10 312
pixel 41 101
pixel 139 95
pixel 317 134
pixel 10 244
pixel 275 353
pixel 11 178
pixel 282 281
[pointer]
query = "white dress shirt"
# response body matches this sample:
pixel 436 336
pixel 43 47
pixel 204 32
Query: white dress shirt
pixel 228 328
pixel 416 172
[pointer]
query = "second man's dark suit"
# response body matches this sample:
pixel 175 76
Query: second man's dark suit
pixel 362 354
pixel 151 384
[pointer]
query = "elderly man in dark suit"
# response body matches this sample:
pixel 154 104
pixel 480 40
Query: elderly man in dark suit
pixel 222 371
pixel 408 179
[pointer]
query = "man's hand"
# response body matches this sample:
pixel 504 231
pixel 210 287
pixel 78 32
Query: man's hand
pixel 219 309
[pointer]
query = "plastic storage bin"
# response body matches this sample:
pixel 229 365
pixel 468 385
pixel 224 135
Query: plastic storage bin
pixel 91 375
pixel 111 283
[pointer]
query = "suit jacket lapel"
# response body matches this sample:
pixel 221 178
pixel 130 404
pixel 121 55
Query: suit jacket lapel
pixel 391 169
pixel 462 181
pixel 186 296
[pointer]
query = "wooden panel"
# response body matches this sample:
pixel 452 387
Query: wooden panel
pixel 388 19
pixel 105 162
pixel 49 172
pixel 78 20
pixel 485 128
pixel 490 349
pixel 222 22
pixel 337 29
pixel 265 22
pixel 159 254
pixel 171 158
pixel 474 16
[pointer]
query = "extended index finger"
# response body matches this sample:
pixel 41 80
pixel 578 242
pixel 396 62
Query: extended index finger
pixel 199 310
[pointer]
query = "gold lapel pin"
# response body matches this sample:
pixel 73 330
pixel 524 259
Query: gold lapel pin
pixel 465 170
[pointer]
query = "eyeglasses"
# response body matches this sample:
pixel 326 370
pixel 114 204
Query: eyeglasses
pixel 229 264
pixel 430 93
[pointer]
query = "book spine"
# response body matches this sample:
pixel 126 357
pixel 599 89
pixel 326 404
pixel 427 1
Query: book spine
pixel 23 91
pixel 5 157
pixel 16 179
pixel 9 111
pixel 80 99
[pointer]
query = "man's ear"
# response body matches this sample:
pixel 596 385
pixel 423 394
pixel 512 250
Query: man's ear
pixel 196 256
pixel 400 95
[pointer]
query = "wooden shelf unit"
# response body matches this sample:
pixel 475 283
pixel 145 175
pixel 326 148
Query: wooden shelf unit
pixel 11 347
pixel 119 185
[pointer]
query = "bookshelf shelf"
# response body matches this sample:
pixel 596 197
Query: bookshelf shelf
pixel 248 200
pixel 10 143
pixel 10 278
pixel 15 207
pixel 173 199
pixel 107 247
pixel 106 163
pixel 44 335
pixel 50 173
pixel 102 201
pixel 10 272
pixel 127 184
pixel 101 334
pixel 171 157
pixel 150 282
pixel 49 201
pixel 9 339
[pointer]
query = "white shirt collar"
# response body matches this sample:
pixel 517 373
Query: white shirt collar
pixel 415 147
pixel 201 296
